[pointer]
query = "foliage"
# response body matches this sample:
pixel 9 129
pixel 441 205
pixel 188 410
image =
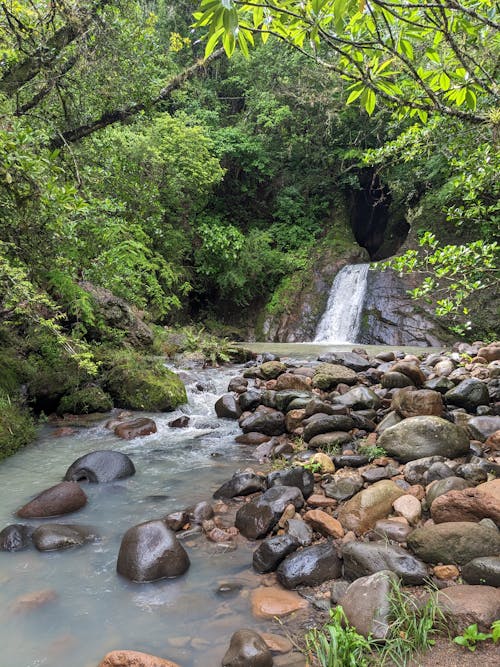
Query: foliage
pixel 471 636
pixel 372 451
pixel 411 630
pixel 17 428
pixel 416 57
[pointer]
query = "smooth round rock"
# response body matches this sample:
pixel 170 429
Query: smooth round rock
pixel 227 407
pixel 268 423
pixel 135 428
pixel 418 437
pixel 247 649
pixel 60 499
pixel 151 551
pixel 99 467
pixel 272 551
pixel 296 476
pixel 363 510
pixel 442 486
pixel 241 484
pixel 485 571
pixel 55 536
pixel 310 566
pixel 468 394
pixel 365 558
pixel 455 542
pixel 366 603
pixel 15 537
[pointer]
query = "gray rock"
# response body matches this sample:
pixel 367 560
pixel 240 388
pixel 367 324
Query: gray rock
pixel 335 440
pixel 227 406
pixel 278 497
pixel 338 590
pixel 438 470
pixel 366 603
pixel 310 566
pixel 376 473
pixel 473 473
pixel 250 399
pixel 151 551
pixel 442 486
pixel 391 419
pixel 395 380
pixel 359 398
pixel 272 551
pixel 269 423
pixel 343 487
pixel 15 537
pixel 415 472
pixel 480 428
pixel 300 530
pixel 316 406
pixel 468 394
pixel 454 542
pixel 464 605
pixel 418 437
pixel 327 424
pixel 364 558
pixel 350 460
pixel 247 649
pixel 55 536
pixel 297 476
pixel 255 521
pixel 241 484
pixel 440 383
pixel 350 359
pixel 238 384
pixel 99 467
pixel 485 570
pixel 385 529
pixel 201 512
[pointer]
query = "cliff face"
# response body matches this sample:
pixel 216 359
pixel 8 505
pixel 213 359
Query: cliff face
pixel 392 317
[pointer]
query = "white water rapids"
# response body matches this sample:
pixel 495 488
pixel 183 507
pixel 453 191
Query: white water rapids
pixel 341 319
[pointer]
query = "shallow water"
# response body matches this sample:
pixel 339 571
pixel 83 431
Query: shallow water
pixel 96 610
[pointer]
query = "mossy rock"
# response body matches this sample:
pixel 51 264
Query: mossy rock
pixel 17 428
pixel 140 383
pixel 14 371
pixel 84 401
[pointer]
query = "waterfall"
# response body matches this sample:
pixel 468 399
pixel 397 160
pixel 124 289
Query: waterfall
pixel 341 319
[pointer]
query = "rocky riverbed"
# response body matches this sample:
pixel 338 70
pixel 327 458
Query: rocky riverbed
pixel 370 472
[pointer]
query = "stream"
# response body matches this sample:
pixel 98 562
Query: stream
pixel 189 619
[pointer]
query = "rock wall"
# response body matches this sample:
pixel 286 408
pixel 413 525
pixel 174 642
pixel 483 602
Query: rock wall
pixel 392 317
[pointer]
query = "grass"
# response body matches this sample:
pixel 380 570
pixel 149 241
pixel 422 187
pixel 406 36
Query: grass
pixel 412 630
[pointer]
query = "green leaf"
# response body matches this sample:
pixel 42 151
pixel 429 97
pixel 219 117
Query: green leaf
pixel 212 42
pixel 354 95
pixel 370 102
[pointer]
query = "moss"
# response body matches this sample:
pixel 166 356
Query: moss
pixel 85 400
pixel 17 428
pixel 140 383
pixel 14 371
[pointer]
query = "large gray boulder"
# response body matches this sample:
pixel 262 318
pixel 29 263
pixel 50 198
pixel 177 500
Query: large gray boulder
pixel 468 394
pixel 366 603
pixel 327 424
pixel 418 437
pixel 151 551
pixel 454 542
pixel 99 467
pixel 310 566
pixel 366 558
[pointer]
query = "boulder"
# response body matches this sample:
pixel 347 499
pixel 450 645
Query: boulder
pixel 363 510
pixel 484 570
pixel 201 512
pixel 468 394
pixel 54 536
pixel 15 537
pixel 467 505
pixel 252 438
pixel 60 499
pixel 269 423
pixel 292 381
pixel 241 484
pixel 176 520
pixel 350 359
pixel 180 422
pixel 227 407
pixel 134 659
pixel 408 403
pixel 151 551
pixel 455 542
pixel 424 436
pixel 278 497
pixel 411 370
pixel 439 383
pixel 135 428
pixel 300 530
pixel 247 649
pixel 271 601
pixel 464 605
pixel 333 440
pixel 365 558
pixel 366 604
pixel 310 566
pixel 238 384
pixel 250 399
pixel 490 352
pixel 272 551
pixel 328 376
pixel 359 398
pixel 296 476
pixel 99 467
pixel 270 370
pixel 327 424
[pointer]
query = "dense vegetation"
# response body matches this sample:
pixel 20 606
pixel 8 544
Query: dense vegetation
pixel 197 191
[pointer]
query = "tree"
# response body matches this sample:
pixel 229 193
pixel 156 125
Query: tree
pixel 415 56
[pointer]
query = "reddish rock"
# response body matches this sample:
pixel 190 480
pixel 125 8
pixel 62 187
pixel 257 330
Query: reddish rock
pixel 134 659
pixel 320 500
pixel 252 438
pixel 410 403
pixel 324 523
pixel 294 382
pixel 446 572
pixel 491 488
pixel 294 419
pixel 60 499
pixel 409 508
pixel 135 428
pixel 493 442
pixel 62 431
pixel 467 505
pixel 271 601
pixel 464 605
pixel 33 600
pixel 491 352
pixel 411 370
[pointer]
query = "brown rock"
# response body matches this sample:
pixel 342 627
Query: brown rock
pixel 252 438
pixel 410 403
pixel 135 428
pixel 324 461
pixel 363 510
pixel 324 523
pixel 491 488
pixel 293 381
pixel 416 490
pixel 320 500
pixel 408 507
pixel 493 442
pixel 33 600
pixel 60 499
pixel 277 643
pixel 446 572
pixel 134 659
pixel 294 419
pixel 271 601
pixel 491 352
pixel 467 505
pixel 411 370
pixel 465 605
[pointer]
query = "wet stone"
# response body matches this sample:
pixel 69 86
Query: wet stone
pixel 15 537
pixel 365 558
pixel 272 551
pixel 310 566
pixel 247 649
pixel 484 571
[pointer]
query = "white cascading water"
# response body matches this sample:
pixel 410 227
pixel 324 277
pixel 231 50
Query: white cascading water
pixel 341 319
